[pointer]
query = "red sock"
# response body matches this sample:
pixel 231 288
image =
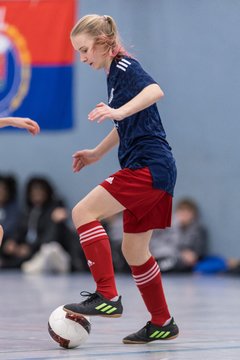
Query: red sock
pixel 96 247
pixel 148 280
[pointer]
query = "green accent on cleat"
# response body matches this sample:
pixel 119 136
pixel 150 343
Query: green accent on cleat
pixel 96 305
pixel 151 332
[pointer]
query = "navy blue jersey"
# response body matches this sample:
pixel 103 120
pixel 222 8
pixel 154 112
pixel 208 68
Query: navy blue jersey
pixel 142 136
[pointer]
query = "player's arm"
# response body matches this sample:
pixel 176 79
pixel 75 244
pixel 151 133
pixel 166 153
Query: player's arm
pixel 89 156
pixel 22 123
pixel 108 143
pixel 148 96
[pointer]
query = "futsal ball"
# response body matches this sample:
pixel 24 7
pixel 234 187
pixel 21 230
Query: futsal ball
pixel 68 330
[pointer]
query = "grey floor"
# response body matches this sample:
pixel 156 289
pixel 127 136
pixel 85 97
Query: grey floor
pixel 206 309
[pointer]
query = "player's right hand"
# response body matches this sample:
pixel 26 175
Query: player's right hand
pixel 82 158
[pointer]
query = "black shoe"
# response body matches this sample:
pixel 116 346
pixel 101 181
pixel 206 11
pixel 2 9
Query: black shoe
pixel 152 332
pixel 95 305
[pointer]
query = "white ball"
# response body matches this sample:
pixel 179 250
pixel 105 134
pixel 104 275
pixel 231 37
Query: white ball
pixel 68 330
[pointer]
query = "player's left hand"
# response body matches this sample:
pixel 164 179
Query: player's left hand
pixel 103 112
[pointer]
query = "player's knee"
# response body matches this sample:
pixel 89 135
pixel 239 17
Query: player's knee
pixel 77 213
pixel 81 214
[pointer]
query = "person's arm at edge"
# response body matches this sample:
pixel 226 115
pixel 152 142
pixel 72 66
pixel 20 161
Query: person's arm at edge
pixel 22 123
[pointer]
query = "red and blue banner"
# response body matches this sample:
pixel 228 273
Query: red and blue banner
pixel 36 61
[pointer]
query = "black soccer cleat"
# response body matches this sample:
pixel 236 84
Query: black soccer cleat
pixel 152 332
pixel 96 305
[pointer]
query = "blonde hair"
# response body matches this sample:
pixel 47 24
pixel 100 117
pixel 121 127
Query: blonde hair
pixel 104 31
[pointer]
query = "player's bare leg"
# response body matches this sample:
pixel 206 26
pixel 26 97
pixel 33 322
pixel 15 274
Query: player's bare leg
pixel 135 247
pixel 97 205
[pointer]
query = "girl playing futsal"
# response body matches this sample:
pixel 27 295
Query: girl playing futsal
pixel 23 123
pixel 142 189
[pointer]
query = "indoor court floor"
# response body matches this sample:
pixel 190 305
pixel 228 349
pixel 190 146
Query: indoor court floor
pixel 206 309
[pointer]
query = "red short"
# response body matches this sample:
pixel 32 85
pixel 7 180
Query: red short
pixel 146 208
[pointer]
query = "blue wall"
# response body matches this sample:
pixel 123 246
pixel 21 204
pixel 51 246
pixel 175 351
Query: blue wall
pixel 191 48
